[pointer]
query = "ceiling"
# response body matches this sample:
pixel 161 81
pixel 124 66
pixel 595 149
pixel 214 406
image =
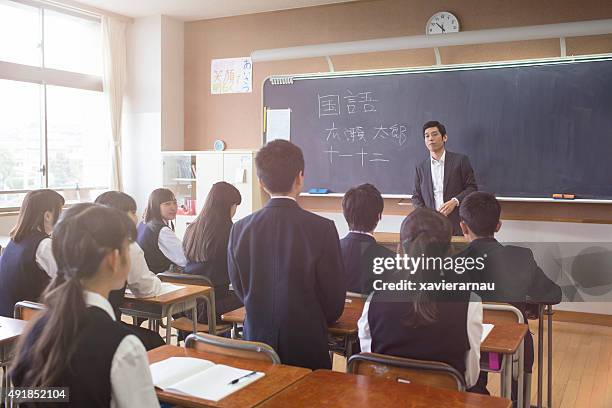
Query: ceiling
pixel 190 10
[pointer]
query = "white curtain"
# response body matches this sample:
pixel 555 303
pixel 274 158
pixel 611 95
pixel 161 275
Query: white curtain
pixel 114 59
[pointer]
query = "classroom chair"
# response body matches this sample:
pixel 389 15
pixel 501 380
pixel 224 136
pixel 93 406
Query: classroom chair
pixel 505 313
pixel 26 310
pixel 186 324
pixel 231 347
pixel 400 369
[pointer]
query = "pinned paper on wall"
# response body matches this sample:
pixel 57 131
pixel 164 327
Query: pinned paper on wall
pixel 278 124
pixel 231 75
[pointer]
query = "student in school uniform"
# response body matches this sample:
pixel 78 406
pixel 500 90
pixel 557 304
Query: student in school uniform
pixel 141 281
pixel 419 324
pixel 27 264
pixel 76 342
pixel 149 339
pixel 362 207
pixel 205 246
pixel 285 265
pixel 516 275
pixel 162 248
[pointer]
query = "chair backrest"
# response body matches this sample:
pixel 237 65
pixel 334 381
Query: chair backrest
pixel 501 313
pixel 431 373
pixel 26 310
pixel 231 347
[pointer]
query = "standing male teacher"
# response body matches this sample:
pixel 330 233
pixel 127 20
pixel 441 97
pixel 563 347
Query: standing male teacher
pixel 445 178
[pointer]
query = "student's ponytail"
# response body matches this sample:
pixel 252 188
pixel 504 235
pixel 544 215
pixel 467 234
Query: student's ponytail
pixel 81 242
pixel 424 233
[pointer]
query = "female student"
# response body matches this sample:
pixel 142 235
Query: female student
pixel 418 324
pixel 27 263
pixel 76 342
pixel 205 245
pixel 162 248
pixel 141 281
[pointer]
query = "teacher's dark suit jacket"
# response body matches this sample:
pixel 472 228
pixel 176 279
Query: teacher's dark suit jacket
pixel 459 181
pixel 286 267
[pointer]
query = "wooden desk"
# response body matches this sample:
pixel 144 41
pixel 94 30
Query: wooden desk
pixel 10 330
pixel 324 388
pixel 345 326
pixel 391 240
pixel 277 378
pixel 158 307
pixel 507 339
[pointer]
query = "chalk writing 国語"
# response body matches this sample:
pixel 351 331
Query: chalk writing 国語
pixel 359 155
pixel 354 102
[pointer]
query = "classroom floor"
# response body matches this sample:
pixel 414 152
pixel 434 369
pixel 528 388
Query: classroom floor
pixel 582 367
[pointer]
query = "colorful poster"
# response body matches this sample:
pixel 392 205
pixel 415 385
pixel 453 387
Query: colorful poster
pixel 231 75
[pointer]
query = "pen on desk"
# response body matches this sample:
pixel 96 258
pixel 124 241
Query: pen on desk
pixel 235 381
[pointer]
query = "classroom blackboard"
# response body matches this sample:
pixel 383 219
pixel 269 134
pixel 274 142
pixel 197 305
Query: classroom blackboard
pixel 529 129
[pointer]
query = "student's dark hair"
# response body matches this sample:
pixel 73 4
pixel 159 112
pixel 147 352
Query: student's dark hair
pixel 278 163
pixel 362 207
pixel 207 237
pixel 436 124
pixel 157 197
pixel 425 232
pixel 118 200
pixel 481 212
pixel 32 213
pixel 85 234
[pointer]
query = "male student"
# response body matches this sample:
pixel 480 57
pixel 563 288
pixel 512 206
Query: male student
pixel 517 277
pixel 285 265
pixel 362 207
pixel 445 178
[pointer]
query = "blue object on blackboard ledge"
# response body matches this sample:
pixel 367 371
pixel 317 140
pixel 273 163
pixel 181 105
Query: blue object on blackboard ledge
pixel 319 191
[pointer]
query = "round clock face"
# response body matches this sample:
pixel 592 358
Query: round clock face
pixel 442 23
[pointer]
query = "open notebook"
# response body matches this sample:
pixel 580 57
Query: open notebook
pixel 166 287
pixel 486 329
pixel 200 378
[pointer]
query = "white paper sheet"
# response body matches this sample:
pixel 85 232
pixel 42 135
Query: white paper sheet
pixel 278 124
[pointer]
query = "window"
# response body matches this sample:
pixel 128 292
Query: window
pixel 54 130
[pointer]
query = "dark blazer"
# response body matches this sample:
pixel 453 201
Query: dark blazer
pixel 286 267
pixel 358 253
pixel 517 278
pixel 459 181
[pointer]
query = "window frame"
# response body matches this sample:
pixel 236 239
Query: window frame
pixel 49 76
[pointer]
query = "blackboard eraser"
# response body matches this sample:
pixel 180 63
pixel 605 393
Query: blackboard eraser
pixel 318 191
pixel 557 196
pixel 569 196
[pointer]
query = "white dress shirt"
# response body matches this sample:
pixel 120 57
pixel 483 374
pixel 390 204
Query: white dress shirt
pixel 140 280
pixel 45 259
pixel 171 246
pixel 363 233
pixel 437 177
pixel 289 197
pixel 474 332
pixel 131 383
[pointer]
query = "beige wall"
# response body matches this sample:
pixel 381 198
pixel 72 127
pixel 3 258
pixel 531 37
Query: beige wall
pixel 236 118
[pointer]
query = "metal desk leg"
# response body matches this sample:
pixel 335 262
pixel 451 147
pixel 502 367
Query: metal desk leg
pixel 506 377
pixel 168 316
pixel 210 313
pixel 549 314
pixel 194 316
pixel 540 350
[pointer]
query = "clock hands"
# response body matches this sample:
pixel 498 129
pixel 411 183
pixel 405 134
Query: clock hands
pixel 442 27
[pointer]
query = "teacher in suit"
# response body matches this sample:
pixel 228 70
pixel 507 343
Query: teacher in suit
pixel 444 179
